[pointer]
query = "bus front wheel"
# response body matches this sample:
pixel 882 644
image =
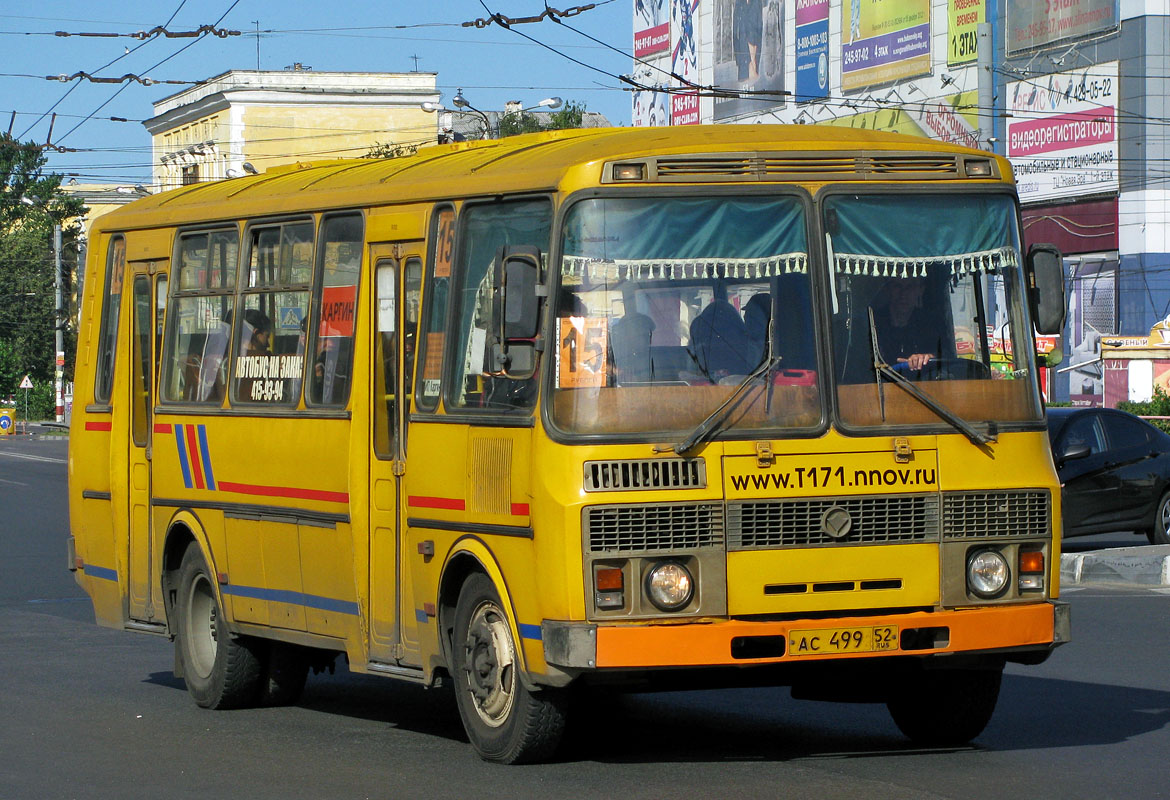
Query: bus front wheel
pixel 505 721
pixel 945 707
pixel 220 670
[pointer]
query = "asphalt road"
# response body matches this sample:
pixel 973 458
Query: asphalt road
pixel 87 712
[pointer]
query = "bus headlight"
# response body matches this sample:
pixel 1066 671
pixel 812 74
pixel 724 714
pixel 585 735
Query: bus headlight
pixel 987 573
pixel 669 586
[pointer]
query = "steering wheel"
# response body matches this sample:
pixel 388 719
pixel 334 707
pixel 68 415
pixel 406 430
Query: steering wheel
pixel 945 369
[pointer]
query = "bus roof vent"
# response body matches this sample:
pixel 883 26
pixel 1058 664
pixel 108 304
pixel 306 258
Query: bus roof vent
pixel 644 474
pixel 736 167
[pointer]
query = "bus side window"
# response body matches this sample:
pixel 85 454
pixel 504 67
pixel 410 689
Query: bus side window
pixel 441 249
pixel 486 228
pixel 341 267
pixel 108 335
pixel 195 346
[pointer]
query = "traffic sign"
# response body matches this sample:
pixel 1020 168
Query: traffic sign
pixel 26 383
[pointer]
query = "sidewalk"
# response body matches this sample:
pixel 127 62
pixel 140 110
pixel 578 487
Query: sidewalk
pixel 1141 566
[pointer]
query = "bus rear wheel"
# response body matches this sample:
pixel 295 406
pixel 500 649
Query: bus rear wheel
pixel 505 721
pixel 945 707
pixel 221 671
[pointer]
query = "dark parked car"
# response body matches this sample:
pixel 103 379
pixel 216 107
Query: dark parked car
pixel 1114 472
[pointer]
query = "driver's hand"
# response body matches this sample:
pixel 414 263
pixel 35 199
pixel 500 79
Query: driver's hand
pixel 916 360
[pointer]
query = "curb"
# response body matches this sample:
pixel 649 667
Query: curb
pixel 1142 566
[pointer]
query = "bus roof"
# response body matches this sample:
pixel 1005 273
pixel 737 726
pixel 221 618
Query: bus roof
pixel 527 163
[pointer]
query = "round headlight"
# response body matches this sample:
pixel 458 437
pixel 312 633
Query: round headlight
pixel 669 586
pixel 987 573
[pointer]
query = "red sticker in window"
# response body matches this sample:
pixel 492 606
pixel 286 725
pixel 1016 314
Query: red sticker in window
pixel 338 304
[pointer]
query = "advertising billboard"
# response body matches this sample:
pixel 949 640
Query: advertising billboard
pixel 749 56
pixel 1032 24
pixel 651 28
pixel 684 55
pixel 1062 132
pixel 963 18
pixel 883 41
pixel 812 50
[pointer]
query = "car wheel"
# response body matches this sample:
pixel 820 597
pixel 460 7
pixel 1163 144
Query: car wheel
pixel 221 671
pixel 505 721
pixel 945 707
pixel 1160 533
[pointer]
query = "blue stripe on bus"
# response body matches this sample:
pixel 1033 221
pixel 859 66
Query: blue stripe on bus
pixel 530 632
pixel 181 442
pixel 206 457
pixel 292 598
pixel 104 573
pixel 421 617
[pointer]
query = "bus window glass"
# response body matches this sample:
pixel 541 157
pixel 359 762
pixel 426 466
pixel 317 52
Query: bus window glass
pixel 442 253
pixel 667 306
pixel 487 228
pixel 930 285
pixel 386 359
pixel 108 335
pixel 140 384
pixel 272 324
pixel 195 349
pixel 341 264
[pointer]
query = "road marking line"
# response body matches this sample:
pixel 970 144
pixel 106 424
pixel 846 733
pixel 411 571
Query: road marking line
pixel 36 458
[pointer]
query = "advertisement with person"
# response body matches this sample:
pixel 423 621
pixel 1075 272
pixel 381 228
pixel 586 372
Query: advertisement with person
pixel 883 41
pixel 651 28
pixel 1032 24
pixel 684 57
pixel 749 56
pixel 812 50
pixel 1062 134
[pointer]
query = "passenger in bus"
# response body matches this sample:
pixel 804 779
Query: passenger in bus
pixel 719 342
pixel 629 344
pixel 757 314
pixel 906 334
pixel 261 326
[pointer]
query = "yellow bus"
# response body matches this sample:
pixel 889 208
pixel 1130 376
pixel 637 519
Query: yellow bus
pixel 642 408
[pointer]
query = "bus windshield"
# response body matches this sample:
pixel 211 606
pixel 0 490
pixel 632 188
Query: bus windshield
pixel 930 286
pixel 669 304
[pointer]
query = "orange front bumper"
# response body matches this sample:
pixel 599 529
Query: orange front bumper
pixel 711 643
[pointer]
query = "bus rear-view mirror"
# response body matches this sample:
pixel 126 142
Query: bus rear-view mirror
pixel 1046 288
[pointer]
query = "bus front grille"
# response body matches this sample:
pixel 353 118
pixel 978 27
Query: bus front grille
pixel 1017 513
pixel 645 473
pixel 806 522
pixel 643 528
pixel 875 165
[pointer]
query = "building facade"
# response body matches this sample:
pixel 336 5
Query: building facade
pixel 1074 93
pixel 247 120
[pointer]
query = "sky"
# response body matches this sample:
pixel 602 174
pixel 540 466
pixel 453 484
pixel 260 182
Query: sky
pixel 490 64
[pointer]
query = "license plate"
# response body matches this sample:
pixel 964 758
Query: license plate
pixel 834 641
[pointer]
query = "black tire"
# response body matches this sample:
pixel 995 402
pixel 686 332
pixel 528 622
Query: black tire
pixel 286 666
pixel 1160 533
pixel 945 707
pixel 505 722
pixel 221 671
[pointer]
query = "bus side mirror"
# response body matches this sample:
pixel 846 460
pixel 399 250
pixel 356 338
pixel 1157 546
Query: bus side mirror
pixel 515 311
pixel 1046 288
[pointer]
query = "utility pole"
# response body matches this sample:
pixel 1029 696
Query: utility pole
pixel 58 324
pixel 986 95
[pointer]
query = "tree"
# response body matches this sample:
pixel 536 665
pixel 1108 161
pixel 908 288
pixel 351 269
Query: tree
pixel 569 116
pixel 31 203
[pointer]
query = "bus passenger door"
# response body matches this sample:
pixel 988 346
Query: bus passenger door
pixel 397 282
pixel 150 292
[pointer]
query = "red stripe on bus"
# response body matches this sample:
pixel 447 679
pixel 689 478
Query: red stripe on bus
pixel 448 503
pixel 163 427
pixel 284 491
pixel 519 509
pixel 98 426
pixel 193 454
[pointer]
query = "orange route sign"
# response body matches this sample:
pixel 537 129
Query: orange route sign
pixel 581 346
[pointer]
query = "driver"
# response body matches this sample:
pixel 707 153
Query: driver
pixel 906 335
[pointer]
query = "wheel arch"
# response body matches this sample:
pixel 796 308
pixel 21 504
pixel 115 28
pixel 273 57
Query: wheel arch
pixel 183 530
pixel 467 556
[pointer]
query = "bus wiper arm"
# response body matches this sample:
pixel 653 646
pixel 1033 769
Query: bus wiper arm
pixel 712 423
pixel 884 370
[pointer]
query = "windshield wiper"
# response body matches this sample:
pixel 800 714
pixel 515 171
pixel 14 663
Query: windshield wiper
pixel 885 370
pixel 713 422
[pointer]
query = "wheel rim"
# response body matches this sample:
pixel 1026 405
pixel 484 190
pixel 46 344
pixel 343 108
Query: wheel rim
pixel 489 662
pixel 202 624
pixel 1165 515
